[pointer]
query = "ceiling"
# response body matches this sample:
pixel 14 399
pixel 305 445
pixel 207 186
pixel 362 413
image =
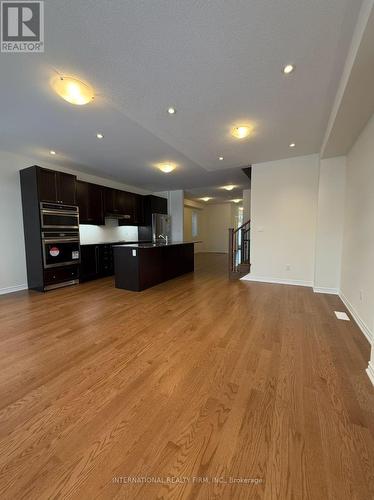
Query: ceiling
pixel 354 103
pixel 219 63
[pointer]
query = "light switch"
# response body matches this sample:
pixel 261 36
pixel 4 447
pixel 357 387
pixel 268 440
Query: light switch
pixel 134 253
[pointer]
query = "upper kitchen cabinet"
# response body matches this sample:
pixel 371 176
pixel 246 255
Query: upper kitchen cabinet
pixel 135 207
pixel 55 187
pixel 113 201
pixel 90 202
pixel 153 205
pixel 123 205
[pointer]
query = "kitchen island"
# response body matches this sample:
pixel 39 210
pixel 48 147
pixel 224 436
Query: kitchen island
pixel 143 265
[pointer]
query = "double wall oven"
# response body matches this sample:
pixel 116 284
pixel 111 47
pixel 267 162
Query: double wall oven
pixel 60 244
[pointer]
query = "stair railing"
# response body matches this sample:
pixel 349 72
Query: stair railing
pixel 239 250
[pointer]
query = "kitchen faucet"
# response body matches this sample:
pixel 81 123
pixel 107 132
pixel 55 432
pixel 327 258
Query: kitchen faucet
pixel 164 237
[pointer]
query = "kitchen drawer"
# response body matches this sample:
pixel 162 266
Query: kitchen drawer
pixel 60 274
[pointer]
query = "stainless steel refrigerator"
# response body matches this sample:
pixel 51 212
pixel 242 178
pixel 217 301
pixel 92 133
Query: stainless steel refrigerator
pixel 161 227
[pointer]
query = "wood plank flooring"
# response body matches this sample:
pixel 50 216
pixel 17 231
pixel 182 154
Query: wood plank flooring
pixel 199 388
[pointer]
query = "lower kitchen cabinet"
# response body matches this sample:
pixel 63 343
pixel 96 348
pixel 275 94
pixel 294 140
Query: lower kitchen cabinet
pixel 56 275
pixel 96 261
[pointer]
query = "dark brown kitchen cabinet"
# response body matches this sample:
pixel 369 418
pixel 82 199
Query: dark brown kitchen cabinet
pixel 96 261
pixel 135 210
pixel 122 205
pixel 90 202
pixel 139 210
pixel 113 201
pixel 56 187
pixel 154 205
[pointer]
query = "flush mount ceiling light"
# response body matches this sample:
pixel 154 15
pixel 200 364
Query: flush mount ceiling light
pixel 171 111
pixel 166 167
pixel 229 187
pixel 237 200
pixel 52 152
pixel 206 198
pixel 241 132
pixel 288 69
pixel 72 90
pixel 292 145
pixel 220 158
pixel 99 135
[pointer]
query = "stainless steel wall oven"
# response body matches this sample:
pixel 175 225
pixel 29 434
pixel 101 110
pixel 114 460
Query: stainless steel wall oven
pixel 54 216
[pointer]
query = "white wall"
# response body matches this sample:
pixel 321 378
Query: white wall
pixel 176 210
pixel 357 275
pixel 246 204
pixel 13 261
pixel 187 229
pixel 330 223
pixel 218 220
pixel 284 212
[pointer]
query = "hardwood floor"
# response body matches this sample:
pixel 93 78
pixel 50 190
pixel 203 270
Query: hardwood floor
pixel 196 378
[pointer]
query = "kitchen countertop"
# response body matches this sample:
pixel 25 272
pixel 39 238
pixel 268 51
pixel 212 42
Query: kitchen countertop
pixel 155 245
pixel 122 242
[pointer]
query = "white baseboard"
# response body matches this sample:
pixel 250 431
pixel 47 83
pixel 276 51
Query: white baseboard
pixel 11 289
pixel 263 279
pixel 370 372
pixel 332 291
pixel 362 325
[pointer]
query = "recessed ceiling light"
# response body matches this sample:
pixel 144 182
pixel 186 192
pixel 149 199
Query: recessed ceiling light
pixel 166 167
pixel 220 158
pixel 288 69
pixel 292 145
pixel 171 111
pixel 206 198
pixel 99 135
pixel 72 90
pixel 229 187
pixel 237 200
pixel 52 152
pixel 241 131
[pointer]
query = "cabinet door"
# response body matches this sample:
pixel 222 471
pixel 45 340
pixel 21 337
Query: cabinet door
pixel 90 262
pixel 66 188
pixel 159 205
pixel 95 207
pixel 83 202
pixel 90 202
pixel 153 205
pixel 110 200
pixel 127 207
pixel 139 210
pixel 47 185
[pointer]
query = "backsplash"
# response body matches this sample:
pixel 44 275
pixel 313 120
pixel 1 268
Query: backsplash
pixel 111 232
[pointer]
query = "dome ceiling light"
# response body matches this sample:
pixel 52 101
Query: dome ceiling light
pixel 72 90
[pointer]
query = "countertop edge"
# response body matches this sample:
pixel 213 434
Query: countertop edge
pixel 156 245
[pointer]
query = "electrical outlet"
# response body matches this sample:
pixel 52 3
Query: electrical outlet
pixel 288 267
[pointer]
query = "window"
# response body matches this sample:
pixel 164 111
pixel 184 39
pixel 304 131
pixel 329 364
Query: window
pixel 194 225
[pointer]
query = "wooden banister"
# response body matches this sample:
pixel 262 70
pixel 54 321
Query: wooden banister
pixel 239 250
